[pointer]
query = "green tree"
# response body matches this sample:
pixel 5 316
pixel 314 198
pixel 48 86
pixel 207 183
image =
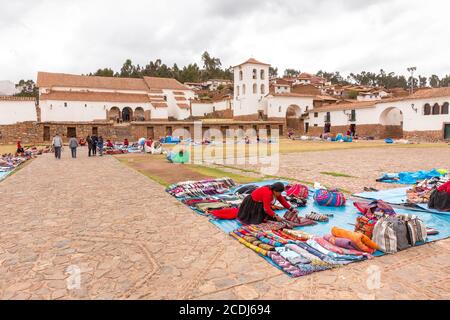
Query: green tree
pixel 422 82
pixel 434 81
pixel 273 72
pixel 105 72
pixel 27 89
pixel 291 73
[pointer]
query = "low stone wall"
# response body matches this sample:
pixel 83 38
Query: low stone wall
pixel 26 132
pixel 43 132
pixel 426 136
pixel 377 131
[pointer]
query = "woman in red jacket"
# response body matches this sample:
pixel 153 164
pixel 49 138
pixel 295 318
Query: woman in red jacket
pixel 257 207
pixel 440 198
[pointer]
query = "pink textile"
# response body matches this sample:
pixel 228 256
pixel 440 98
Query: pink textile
pixel 329 246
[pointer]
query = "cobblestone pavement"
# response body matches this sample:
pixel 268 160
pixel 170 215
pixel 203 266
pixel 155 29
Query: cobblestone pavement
pixel 128 239
pixel 363 166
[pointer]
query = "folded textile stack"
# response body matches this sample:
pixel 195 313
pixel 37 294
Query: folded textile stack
pixel 200 188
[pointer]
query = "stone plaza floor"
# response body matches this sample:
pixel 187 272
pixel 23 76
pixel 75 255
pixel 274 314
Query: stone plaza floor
pixel 92 228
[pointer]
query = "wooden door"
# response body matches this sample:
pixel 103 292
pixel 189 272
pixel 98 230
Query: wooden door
pixel 46 133
pixel 150 133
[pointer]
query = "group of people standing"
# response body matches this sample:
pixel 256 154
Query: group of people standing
pixel 94 143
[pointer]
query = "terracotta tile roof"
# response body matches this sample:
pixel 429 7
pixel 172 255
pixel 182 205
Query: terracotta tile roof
pixel 345 106
pixel 14 98
pixel 431 93
pixel 294 95
pixel 156 91
pixel 159 104
pixel 180 98
pixel 183 105
pixel 164 83
pixel 47 79
pixel 94 96
pixel 178 93
pixel 328 98
pixel 252 61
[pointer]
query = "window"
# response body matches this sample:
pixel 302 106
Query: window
pixel 263 89
pixel 427 109
pixel 85 105
pixel 353 116
pixel 436 108
pixel 95 131
pixel 262 75
pixel 316 125
pixel 255 89
pixel 165 98
pixel 444 108
pixel 255 74
pixel 316 114
pixel 243 89
pixel 237 91
pixel 241 75
pixel 328 117
pixel 65 104
pixel 279 109
pixel 214 109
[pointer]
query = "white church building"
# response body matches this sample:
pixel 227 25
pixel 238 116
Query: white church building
pixel 424 114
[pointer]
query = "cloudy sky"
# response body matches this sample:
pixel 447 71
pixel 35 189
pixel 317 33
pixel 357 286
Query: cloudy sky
pixel 345 35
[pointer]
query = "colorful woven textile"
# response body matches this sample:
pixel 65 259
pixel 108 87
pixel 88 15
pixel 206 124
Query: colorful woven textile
pixel 285 265
pixel 317 217
pixel 249 245
pixel 329 198
pixel 297 190
pixel 298 235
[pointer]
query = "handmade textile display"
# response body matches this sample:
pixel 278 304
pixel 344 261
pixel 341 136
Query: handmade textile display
pixel 299 245
pixel 9 163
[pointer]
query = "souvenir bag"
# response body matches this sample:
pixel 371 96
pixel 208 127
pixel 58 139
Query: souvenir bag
pixel 329 198
pixel 365 226
pixel 298 191
pixel 417 231
pixel 391 234
pixel 384 236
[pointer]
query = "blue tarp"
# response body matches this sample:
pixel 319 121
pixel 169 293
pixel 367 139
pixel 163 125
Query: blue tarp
pixel 396 197
pixel 343 217
pixel 3 175
pixel 409 177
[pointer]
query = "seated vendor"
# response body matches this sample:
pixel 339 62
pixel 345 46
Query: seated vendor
pixel 126 143
pixel 256 208
pixel 109 144
pixel 19 148
pixel 149 143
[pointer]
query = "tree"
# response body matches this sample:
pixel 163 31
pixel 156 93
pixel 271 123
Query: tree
pixel 105 72
pixel 422 82
pixel 445 81
pixel 27 89
pixel 434 81
pixel 291 73
pixel 127 69
pixel 273 72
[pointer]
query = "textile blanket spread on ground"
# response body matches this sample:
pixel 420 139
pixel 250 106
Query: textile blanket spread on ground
pixel 343 217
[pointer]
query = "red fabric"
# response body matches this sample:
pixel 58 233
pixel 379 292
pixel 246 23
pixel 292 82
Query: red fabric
pixel 19 146
pixel 445 187
pixel 149 143
pixel 226 214
pixel 265 195
pixel 125 142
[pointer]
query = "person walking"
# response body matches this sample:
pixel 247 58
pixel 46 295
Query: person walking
pixel 94 145
pixel 73 145
pixel 90 145
pixel 57 145
pixel 100 145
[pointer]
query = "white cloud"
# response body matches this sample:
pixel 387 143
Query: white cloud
pixel 338 35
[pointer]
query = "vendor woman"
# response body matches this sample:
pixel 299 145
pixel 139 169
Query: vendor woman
pixel 257 207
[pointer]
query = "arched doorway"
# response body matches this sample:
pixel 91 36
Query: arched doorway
pixel 127 114
pixel 114 114
pixel 293 115
pixel 392 121
pixel 139 114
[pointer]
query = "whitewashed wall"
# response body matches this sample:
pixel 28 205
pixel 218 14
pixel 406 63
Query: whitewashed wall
pixel 249 103
pixel 12 112
pixel 274 104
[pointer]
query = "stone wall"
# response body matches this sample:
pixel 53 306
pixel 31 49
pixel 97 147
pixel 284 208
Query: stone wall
pixel 43 132
pixel 426 136
pixel 368 130
pixel 249 117
pixel 26 132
